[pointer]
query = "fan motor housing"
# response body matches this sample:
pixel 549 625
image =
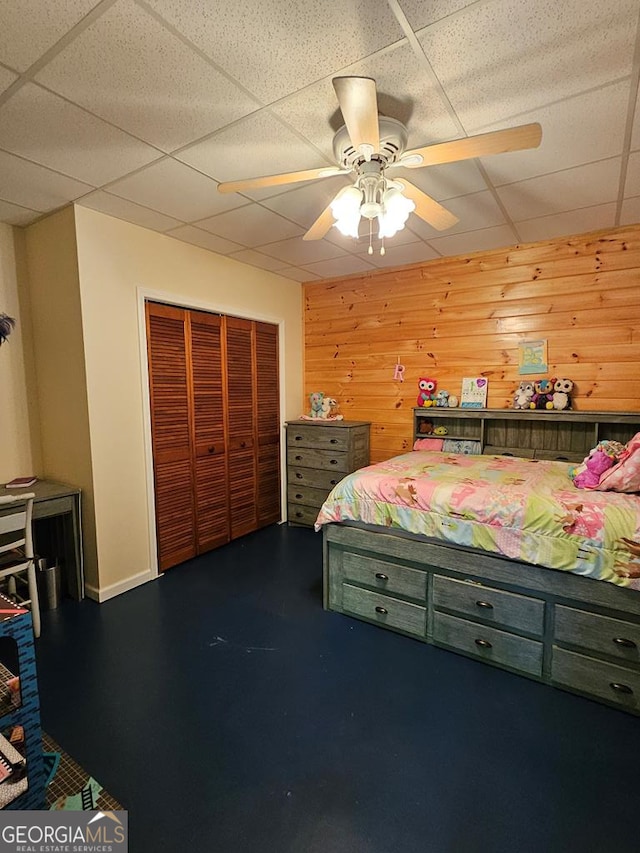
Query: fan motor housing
pixel 393 141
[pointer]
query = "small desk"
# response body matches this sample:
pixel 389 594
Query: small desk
pixel 57 529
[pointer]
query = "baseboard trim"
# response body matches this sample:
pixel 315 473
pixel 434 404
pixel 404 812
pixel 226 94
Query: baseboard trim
pixel 105 593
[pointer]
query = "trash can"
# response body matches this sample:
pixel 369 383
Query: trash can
pixel 49 583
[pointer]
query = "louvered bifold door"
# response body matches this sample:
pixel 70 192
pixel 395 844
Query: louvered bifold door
pixel 171 433
pixel 240 426
pixel 268 423
pixel 212 514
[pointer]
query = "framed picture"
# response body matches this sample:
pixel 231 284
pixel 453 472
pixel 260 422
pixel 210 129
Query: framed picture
pixel 532 357
pixel 474 392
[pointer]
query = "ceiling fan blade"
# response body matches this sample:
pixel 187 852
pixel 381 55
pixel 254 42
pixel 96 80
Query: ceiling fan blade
pixel 279 180
pixel 322 224
pixel 359 106
pixel 428 208
pixel 495 142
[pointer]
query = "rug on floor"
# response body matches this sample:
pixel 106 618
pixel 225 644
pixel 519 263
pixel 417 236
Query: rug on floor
pixel 70 787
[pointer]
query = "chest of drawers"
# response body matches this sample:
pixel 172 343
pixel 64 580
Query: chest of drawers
pixel 319 455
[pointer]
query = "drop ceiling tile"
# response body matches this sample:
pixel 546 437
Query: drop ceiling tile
pixel 474 241
pixel 570 189
pixel 129 69
pixel 121 208
pixel 361 245
pixel 306 202
pixel 444 182
pixel 175 190
pixel 35 187
pixel 568 223
pixel 507 57
pixel 31 27
pixel 576 131
pixel 404 93
pixel 252 226
pixel 6 78
pixel 297 274
pixel 198 237
pixel 632 183
pixel 630 214
pixel 257 259
pixel 42 127
pixel 396 255
pixel 421 13
pixel 258 145
pixel 346 265
pixel 13 214
pixel 474 211
pixel 274 48
pixel 297 252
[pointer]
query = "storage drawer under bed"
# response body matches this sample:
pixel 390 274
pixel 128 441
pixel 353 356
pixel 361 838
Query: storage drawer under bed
pixel 598 678
pixel 387 577
pixel 385 610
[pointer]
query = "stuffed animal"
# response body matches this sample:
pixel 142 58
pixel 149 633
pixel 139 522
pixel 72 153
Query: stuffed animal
pixel 523 396
pixel 562 389
pixel 453 401
pixel 427 389
pixel 543 396
pixel 330 409
pixel 440 430
pixel 316 398
pixel 442 398
pixel 596 464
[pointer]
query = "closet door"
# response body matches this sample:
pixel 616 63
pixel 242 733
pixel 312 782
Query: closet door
pixel 240 426
pixel 171 433
pixel 210 459
pixel 268 423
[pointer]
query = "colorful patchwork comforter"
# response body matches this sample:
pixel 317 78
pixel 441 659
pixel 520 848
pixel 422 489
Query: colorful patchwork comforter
pixel 520 508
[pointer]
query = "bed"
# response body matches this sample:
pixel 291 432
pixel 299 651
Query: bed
pixel 500 558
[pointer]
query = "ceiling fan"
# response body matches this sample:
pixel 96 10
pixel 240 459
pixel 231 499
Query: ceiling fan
pixel 369 146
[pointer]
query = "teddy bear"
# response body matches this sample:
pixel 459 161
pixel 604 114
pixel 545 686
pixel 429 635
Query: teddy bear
pixel 316 398
pixel 427 389
pixel 596 464
pixel 543 396
pixel 562 389
pixel 523 396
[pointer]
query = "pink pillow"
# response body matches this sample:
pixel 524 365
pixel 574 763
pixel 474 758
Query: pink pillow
pixel 625 475
pixel 428 443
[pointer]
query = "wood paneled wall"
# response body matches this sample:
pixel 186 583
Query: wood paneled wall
pixel 466 315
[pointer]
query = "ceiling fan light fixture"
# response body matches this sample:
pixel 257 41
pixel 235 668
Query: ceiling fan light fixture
pixel 395 212
pixel 345 209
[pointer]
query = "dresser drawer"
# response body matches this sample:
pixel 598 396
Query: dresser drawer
pixel 299 494
pixel 321 437
pixel 301 514
pixel 385 610
pixel 313 477
pixel 606 680
pixel 488 644
pixel 611 637
pixel 385 576
pixel 307 457
pixel 506 609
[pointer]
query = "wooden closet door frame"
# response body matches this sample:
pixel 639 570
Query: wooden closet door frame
pixel 183 301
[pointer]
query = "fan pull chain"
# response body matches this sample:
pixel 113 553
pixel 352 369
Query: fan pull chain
pixel 383 251
pixel 370 249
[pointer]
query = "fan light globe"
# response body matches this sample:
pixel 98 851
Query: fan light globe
pixel 346 211
pixel 396 210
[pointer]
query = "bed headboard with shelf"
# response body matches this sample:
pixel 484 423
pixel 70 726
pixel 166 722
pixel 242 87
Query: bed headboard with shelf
pixel 562 435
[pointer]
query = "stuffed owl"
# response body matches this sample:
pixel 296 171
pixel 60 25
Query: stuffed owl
pixel 427 392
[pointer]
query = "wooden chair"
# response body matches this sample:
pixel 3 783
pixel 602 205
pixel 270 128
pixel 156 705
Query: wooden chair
pixel 16 551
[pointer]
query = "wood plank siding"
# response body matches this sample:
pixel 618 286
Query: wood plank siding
pixel 466 315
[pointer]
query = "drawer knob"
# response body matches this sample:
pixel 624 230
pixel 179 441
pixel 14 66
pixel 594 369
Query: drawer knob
pixel 298 475
pixel 621 688
pixel 333 462
pixel 624 642
pixel 212 448
pixel 298 514
pixel 299 496
pixel 381 610
pixel 298 437
pixel 333 482
pixel 486 605
pixel 381 576
pixel 333 441
pixel 484 644
pixel 298 458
